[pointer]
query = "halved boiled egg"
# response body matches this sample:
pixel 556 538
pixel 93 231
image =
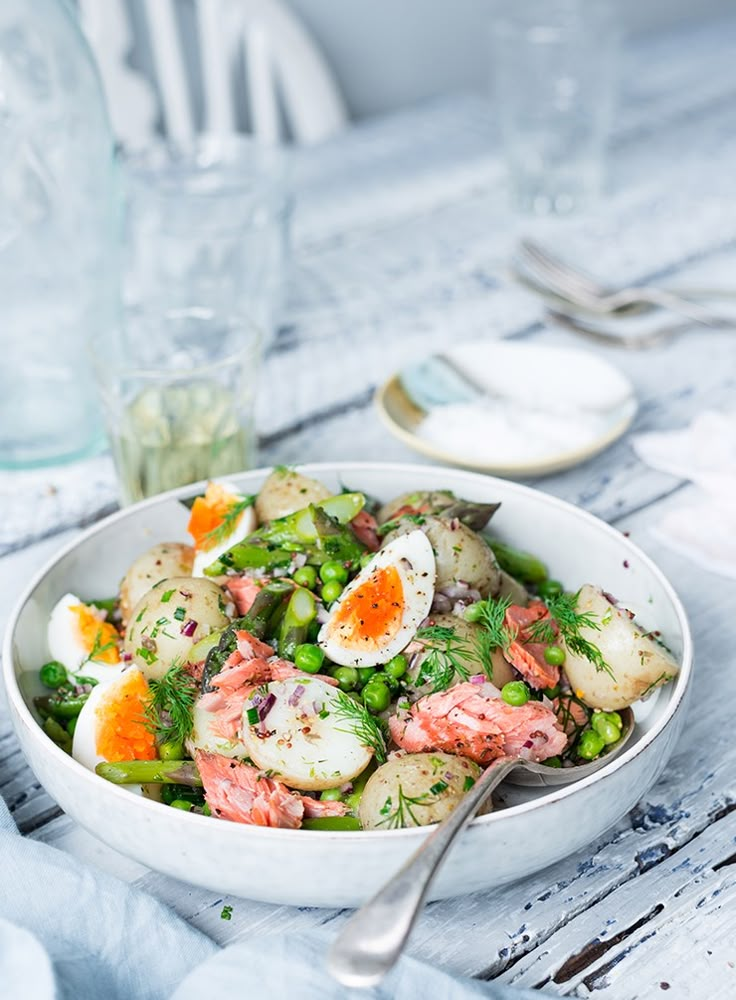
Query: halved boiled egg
pixel 112 724
pixel 81 639
pixel 219 519
pixel 378 614
pixel 298 730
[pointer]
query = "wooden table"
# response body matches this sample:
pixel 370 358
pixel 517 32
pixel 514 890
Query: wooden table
pixel 400 237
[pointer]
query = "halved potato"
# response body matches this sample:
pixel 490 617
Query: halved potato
pixel 286 491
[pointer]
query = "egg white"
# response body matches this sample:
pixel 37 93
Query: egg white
pixel 66 646
pixel 84 741
pixel 300 747
pixel 245 525
pixel 413 558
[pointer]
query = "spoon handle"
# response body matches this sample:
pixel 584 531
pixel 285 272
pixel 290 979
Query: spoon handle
pixel 373 938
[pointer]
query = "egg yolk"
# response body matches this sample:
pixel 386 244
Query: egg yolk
pixel 371 615
pixel 208 513
pixel 99 638
pixel 122 733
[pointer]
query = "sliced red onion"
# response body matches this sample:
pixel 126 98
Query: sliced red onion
pixel 448 776
pixel 317 706
pixel 528 744
pixel 266 705
pixel 126 657
pixel 441 604
pixel 478 679
pixel 296 694
pixel 189 628
pixel 185 593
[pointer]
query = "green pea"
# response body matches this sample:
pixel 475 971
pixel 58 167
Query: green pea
pixel 554 655
pixel 515 693
pixel 331 591
pixel 364 675
pixel 346 677
pixel 589 745
pixel 306 576
pixel 53 674
pixel 309 658
pixel 552 762
pixel 382 677
pixel 601 723
pixel 549 588
pixel 331 795
pixel 376 696
pixel 397 666
pixel 366 558
pixel 333 570
pixel 608 732
pixel 171 750
pixel 181 804
pixel 474 612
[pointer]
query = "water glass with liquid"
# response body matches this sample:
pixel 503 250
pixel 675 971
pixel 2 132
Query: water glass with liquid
pixel 178 391
pixel 554 69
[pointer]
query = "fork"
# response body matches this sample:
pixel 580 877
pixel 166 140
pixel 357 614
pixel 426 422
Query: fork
pixel 614 338
pixel 581 289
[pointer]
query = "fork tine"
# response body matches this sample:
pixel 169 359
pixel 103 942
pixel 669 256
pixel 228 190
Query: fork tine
pixel 566 277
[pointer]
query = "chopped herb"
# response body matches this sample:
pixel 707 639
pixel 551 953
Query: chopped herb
pixel 404 810
pixel 252 716
pixel 143 610
pixel 386 807
pixel 396 522
pixel 362 725
pixel 99 647
pixel 468 783
pixel 443 659
pixel 147 655
pixel 180 614
pixel 563 608
pixel 169 712
pixel 166 596
pixel 662 679
pixel 226 913
pixel 438 788
pixel 496 633
pixel 225 528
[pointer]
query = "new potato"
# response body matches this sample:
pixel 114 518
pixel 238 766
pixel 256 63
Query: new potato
pixel 415 789
pixel 154 637
pixel 637 663
pixel 164 560
pixel 286 491
pixel 460 554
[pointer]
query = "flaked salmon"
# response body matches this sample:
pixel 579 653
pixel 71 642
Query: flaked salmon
pixel 473 722
pixel 523 653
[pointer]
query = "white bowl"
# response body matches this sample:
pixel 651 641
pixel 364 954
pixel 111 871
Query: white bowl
pixel 317 868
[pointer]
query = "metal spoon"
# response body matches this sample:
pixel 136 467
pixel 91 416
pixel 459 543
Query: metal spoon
pixel 372 940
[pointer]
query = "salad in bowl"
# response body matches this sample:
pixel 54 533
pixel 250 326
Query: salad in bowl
pixel 313 660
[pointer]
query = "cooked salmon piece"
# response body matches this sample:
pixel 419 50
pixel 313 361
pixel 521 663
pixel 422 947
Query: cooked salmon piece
pixel 365 529
pixel 243 590
pixel 251 664
pixel 242 794
pixel 523 653
pixel 472 721
pixel 316 808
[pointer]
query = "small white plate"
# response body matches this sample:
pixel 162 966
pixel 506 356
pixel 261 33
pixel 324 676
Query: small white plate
pixel 533 389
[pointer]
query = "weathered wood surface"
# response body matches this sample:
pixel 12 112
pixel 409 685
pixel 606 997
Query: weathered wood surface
pixel 400 241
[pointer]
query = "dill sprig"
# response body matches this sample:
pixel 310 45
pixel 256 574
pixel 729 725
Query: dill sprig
pixel 396 819
pixel 492 617
pixel 362 725
pixel 99 647
pixel 169 711
pixel 563 609
pixel 223 530
pixel 443 657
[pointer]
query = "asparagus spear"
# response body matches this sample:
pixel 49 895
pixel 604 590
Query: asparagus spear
pixel 156 772
pixel 59 709
pixel 521 565
pixel 299 614
pixel 261 620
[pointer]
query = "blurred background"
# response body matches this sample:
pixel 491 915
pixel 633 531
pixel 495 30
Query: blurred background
pixel 387 55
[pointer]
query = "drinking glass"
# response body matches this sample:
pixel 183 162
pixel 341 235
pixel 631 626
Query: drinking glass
pixel 554 68
pixel 208 226
pixel 178 392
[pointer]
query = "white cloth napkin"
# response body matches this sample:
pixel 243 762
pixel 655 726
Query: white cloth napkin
pixel 705 454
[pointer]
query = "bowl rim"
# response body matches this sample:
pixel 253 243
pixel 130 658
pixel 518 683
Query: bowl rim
pixel 153 808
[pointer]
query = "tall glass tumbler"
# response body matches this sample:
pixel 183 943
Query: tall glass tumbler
pixel 208 226
pixel 178 392
pixel 554 67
